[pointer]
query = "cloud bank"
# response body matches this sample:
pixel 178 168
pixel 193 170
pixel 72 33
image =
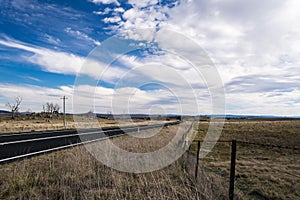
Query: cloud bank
pixel 255 46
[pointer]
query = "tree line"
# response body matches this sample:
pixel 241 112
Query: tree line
pixel 49 109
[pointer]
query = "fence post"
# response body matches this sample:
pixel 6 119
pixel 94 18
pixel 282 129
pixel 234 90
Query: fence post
pixel 232 169
pixel 187 158
pixel 197 161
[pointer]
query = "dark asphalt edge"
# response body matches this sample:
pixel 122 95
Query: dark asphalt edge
pixel 33 154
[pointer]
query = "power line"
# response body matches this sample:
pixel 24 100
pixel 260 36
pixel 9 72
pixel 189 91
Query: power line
pixel 252 143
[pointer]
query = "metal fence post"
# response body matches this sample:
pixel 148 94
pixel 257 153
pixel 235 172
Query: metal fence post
pixel 197 161
pixel 232 169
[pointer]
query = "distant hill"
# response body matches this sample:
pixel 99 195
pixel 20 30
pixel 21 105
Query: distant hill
pixel 231 116
pixel 137 116
pixel 4 112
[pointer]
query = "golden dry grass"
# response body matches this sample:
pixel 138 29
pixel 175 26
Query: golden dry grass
pixel 261 172
pixel 75 174
pixel 20 125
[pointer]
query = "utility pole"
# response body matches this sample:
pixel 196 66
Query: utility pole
pixel 64 109
pixel 232 169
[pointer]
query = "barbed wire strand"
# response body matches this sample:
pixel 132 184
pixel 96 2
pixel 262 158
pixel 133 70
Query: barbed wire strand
pixel 281 171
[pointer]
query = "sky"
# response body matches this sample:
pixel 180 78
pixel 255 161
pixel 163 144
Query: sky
pixel 50 48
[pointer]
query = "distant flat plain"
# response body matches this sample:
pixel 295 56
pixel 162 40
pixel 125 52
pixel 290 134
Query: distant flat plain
pixel 23 124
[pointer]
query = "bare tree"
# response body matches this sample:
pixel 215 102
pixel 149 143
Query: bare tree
pixel 15 107
pixel 56 108
pixel 51 109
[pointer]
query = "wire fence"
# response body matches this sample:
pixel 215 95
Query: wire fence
pixel 242 168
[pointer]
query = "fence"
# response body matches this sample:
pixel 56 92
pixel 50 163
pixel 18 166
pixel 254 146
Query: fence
pixel 248 165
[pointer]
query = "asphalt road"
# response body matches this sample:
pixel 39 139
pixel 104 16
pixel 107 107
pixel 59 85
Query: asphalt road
pixel 18 146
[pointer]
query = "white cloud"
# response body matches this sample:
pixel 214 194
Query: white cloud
pixel 98 12
pixel 105 12
pixel 99 99
pixel 52 40
pixel 142 4
pixel 99 70
pixel 49 60
pixel 255 46
pixel 81 35
pixel 271 103
pixel 106 2
pixel 57 62
pixel 61 62
pixel 244 39
pixel 137 71
pixel 120 10
pixel 143 14
pixel 34 97
pixel 135 100
pixel 169 69
pixel 108 10
pixel 32 78
pixel 114 19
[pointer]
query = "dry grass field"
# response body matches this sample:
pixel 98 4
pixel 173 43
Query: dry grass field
pixel 7 125
pixel 75 174
pixel 262 172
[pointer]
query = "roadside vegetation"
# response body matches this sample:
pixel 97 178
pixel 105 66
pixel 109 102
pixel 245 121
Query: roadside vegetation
pixel 75 174
pixel 43 122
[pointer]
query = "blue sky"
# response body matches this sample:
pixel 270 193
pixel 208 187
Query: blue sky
pixel 62 27
pixel 254 45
